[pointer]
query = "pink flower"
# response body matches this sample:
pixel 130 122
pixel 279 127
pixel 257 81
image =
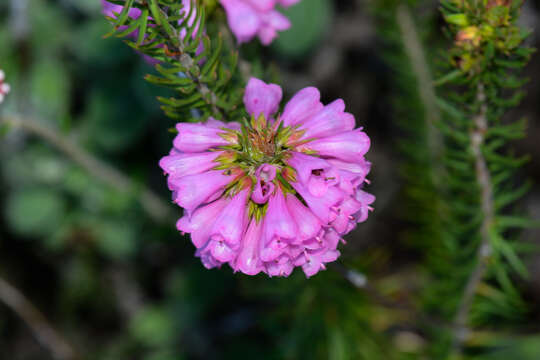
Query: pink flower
pixel 264 187
pixel 4 88
pixel 279 193
pixel 250 18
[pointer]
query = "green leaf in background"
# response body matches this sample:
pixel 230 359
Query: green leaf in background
pixel 310 21
pixel 114 126
pixel 36 211
pixel 525 348
pixel 153 327
pixel 50 89
pixel 116 239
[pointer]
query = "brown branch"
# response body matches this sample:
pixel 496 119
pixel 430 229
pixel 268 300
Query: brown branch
pixel 43 331
pixel 156 208
pixel 483 179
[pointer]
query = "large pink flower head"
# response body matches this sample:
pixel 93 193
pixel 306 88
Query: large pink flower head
pixel 277 192
pixel 4 88
pixel 250 18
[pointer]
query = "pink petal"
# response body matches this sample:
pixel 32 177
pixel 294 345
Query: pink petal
pixel 194 190
pixel 308 225
pixel 189 164
pixel 230 224
pixel 321 206
pixel 194 138
pixel 248 261
pixel 348 146
pixel 329 121
pixel 261 98
pixel 304 104
pixel 262 5
pixel 243 19
pixel 276 20
pixel 200 223
pixel 280 268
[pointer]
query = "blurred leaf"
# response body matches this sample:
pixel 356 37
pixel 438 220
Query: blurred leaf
pixel 88 45
pixel 50 89
pixel 37 212
pixel 153 327
pixel 116 239
pixel 527 348
pixel 113 119
pixel 310 22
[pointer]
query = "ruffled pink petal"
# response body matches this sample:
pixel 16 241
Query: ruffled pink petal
pixel 221 251
pixel 261 98
pixel 316 174
pixel 308 225
pixel 348 146
pixel 248 260
pixel 200 223
pixel 230 224
pixel 280 267
pixel 324 207
pixel 329 121
pixel 207 259
pixel 302 106
pixel 194 190
pixel 366 199
pixel 279 227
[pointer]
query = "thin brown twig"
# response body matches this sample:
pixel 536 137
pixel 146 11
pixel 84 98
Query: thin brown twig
pixel 36 321
pixel 483 178
pixel 420 67
pixel 156 208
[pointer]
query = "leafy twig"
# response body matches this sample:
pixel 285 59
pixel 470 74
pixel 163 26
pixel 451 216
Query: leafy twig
pixel 415 52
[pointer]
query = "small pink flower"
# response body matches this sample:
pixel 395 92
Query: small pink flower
pixel 279 193
pixel 4 88
pixel 250 18
pixel 264 187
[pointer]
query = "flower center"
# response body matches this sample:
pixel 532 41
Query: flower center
pixel 257 157
pixel 262 142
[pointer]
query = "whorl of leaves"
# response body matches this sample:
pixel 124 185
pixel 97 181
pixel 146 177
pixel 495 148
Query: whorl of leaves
pixel 191 62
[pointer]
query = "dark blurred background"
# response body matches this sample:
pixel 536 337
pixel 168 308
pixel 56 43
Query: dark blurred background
pixel 120 284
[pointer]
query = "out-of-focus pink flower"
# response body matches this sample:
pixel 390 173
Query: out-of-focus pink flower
pixel 279 193
pixel 111 10
pixel 4 88
pixel 250 18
